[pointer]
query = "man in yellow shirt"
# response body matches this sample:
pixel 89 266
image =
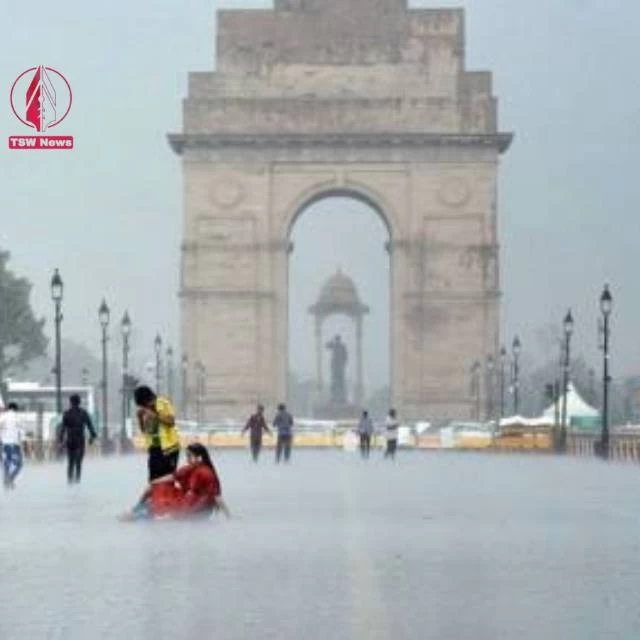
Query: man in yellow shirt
pixel 157 422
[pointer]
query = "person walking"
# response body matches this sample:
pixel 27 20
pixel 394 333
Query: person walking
pixel 283 423
pixel 11 436
pixel 157 421
pixel 365 429
pixel 74 421
pixel 391 431
pixel 256 426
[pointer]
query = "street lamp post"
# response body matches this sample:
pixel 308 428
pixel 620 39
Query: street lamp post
pixel 57 289
pixel 503 366
pixel 170 388
pixel 557 397
pixel 490 370
pixel 157 343
pixel 200 381
pixel 185 385
pixel 103 315
pixel 476 367
pixel 125 328
pixel 568 331
pixel 516 348
pixel 550 393
pixel 606 306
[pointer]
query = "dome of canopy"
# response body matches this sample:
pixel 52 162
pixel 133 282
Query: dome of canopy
pixel 339 295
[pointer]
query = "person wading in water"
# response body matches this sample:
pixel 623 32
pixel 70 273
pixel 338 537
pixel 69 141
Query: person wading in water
pixel 391 427
pixel 283 422
pixel 74 421
pixel 365 429
pixel 11 437
pixel 256 426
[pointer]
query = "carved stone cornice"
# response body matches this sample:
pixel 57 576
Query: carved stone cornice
pixel 489 249
pixel 439 295
pixel 179 142
pixel 274 246
pixel 200 293
pixel 438 397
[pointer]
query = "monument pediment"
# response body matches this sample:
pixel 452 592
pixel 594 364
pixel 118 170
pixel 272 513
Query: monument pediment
pixel 336 67
pixel 360 32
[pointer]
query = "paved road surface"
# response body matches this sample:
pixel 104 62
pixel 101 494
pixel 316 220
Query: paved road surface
pixel 442 546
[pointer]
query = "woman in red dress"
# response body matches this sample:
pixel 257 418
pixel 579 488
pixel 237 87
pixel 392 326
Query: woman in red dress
pixel 194 490
pixel 198 484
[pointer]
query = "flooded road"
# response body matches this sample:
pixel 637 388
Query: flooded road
pixel 433 546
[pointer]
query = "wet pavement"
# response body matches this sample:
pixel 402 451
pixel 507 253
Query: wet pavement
pixel 435 545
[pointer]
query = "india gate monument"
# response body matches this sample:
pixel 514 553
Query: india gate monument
pixel 367 99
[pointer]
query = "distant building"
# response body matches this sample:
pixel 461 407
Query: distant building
pixel 33 398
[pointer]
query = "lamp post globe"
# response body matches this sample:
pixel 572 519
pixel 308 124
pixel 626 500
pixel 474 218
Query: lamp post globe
pixel 606 301
pixel 516 346
pixel 104 314
pixel 568 323
pixel 57 286
pixel 125 325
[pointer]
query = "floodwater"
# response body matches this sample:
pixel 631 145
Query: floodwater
pixel 435 545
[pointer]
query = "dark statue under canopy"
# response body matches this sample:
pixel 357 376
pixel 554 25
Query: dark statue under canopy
pixel 339 358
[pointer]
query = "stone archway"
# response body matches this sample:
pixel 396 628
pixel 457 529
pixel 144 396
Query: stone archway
pixel 320 98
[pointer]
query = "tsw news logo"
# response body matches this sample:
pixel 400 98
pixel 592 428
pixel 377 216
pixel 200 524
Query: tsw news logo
pixel 41 99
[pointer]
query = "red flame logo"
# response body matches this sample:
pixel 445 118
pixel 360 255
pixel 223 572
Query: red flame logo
pixel 41 100
pixel 47 95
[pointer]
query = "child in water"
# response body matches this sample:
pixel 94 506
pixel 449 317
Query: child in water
pixel 193 490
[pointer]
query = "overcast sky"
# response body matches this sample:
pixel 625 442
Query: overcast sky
pixel 109 213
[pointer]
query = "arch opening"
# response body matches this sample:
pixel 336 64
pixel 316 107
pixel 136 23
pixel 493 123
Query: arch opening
pixel 371 201
pixel 339 276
